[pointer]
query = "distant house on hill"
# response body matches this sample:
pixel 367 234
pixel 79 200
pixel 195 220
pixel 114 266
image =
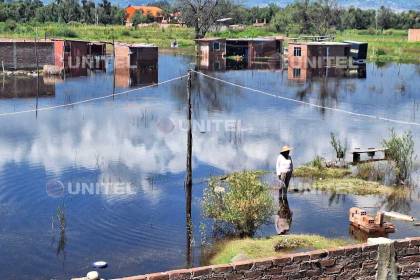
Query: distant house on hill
pixel 414 35
pixel 155 12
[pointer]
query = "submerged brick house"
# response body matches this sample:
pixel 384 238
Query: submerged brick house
pixel 212 51
pixel 136 64
pixel 20 54
pixel 76 57
pixel 314 58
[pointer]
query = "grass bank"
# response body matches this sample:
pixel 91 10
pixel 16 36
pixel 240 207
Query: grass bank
pixel 387 46
pixel 340 180
pixel 225 251
pixel 391 45
pixel 162 37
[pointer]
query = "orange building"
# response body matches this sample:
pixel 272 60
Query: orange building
pixel 414 35
pixel 156 12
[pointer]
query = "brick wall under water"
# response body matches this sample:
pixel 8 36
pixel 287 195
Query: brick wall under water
pixel 17 55
pixel 398 259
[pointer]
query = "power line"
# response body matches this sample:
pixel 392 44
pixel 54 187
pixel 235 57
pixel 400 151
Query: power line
pixel 89 100
pixel 308 103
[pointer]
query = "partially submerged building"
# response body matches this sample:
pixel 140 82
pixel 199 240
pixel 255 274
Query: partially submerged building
pixel 321 59
pixel 213 51
pixel 414 35
pixel 359 51
pixel 136 64
pixel 76 57
pixel 20 54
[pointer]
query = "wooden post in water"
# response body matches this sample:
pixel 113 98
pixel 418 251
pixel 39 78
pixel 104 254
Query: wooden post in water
pixel 37 71
pixel 113 64
pixel 188 176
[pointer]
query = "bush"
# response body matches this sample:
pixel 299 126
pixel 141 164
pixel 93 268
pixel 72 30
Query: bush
pixel 65 32
pixel 125 33
pixel 10 25
pixel 370 172
pixel 400 149
pixel 340 149
pixel 381 52
pixel 317 162
pixel 241 201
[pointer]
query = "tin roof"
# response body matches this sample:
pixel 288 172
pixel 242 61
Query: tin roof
pixel 320 43
pixel 136 45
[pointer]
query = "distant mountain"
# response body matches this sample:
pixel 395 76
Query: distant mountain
pixel 363 4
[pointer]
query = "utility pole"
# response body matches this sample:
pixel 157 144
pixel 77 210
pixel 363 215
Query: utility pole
pixel 188 177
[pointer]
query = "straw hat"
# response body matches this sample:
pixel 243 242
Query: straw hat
pixel 285 149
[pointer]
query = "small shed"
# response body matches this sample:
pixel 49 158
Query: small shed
pixel 211 47
pixel 318 54
pixel 358 50
pixel 135 55
pixel 75 57
pixel 20 54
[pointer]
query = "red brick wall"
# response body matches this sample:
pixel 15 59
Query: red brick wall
pixel 407 258
pixel 350 262
pixel 414 35
pixel 21 55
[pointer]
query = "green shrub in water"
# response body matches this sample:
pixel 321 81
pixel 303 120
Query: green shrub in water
pixel 241 201
pixel 400 149
pixel 339 147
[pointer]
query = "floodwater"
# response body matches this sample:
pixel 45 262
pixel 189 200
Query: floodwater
pixel 134 146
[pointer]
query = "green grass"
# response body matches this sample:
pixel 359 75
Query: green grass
pixel 152 35
pixel 391 45
pixel 320 173
pixel 261 248
pixel 351 186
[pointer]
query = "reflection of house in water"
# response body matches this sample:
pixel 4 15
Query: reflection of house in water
pixel 20 54
pixel 136 64
pixel 77 57
pixel 325 59
pixel 25 87
pixel 216 54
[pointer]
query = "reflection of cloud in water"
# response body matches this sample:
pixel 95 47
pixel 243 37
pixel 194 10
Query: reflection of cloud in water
pixel 95 136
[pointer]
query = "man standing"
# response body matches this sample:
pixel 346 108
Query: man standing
pixel 284 170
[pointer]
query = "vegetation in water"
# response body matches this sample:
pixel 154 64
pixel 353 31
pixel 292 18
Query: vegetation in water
pixel 400 149
pixel 240 200
pixel 339 147
pixel 351 186
pixel 314 172
pixel 226 250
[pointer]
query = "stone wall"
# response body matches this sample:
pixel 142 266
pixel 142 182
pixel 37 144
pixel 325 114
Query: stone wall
pixel 362 261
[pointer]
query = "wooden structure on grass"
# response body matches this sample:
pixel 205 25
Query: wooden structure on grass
pixel 370 152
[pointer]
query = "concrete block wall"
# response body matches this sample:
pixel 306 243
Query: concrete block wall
pixel 362 261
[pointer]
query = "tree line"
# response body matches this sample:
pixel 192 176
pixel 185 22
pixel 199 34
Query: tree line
pixel 302 16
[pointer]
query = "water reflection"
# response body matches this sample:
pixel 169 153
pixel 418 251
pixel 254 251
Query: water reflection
pixel 120 141
pixel 283 219
pixel 142 76
pixel 220 63
pixel 26 87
